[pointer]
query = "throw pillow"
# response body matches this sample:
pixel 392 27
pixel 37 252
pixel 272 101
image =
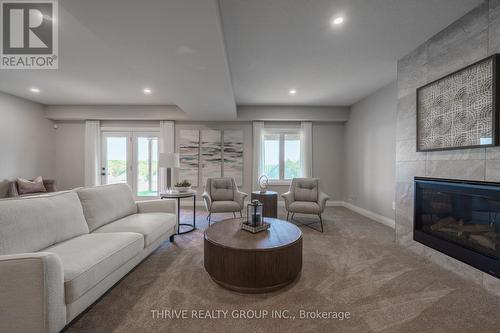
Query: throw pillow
pixel 25 186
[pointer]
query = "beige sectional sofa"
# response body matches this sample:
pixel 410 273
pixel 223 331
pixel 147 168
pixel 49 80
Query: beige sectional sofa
pixel 60 252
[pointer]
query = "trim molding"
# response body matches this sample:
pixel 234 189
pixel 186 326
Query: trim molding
pixel 366 213
pixel 371 215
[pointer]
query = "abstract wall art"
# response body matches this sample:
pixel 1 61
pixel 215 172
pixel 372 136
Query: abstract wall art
pixel 211 154
pixel 460 109
pixel 233 155
pixel 189 155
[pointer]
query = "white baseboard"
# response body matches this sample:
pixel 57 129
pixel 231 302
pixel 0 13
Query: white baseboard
pixel 371 215
pixel 281 203
pixel 329 203
pixel 366 213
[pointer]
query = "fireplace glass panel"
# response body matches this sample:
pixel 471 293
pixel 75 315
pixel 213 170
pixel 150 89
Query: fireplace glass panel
pixel 467 215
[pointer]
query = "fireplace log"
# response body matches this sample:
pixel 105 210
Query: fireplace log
pixel 484 241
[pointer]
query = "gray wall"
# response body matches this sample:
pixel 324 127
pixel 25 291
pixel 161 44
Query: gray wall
pixel 70 154
pixel 328 150
pixel 328 146
pixel 471 38
pixel 26 141
pixel 328 155
pixel 70 149
pixel 247 145
pixel 293 113
pixel 370 152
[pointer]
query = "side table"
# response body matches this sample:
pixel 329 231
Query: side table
pixel 179 196
pixel 270 201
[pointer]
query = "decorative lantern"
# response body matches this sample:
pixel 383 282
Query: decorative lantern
pixel 254 213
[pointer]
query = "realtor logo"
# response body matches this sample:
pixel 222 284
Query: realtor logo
pixel 29 38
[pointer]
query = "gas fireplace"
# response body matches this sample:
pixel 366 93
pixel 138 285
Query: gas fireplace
pixel 461 219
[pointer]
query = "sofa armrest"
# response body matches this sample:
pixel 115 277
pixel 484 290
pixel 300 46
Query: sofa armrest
pixel 32 293
pixel 322 199
pixel 288 196
pixel 207 199
pixel 157 206
pixel 239 197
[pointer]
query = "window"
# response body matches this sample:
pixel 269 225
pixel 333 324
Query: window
pixel 131 158
pixel 147 166
pixel 281 152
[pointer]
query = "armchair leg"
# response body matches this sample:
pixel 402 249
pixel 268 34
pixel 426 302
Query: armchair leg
pixel 209 217
pixel 234 214
pixel 293 214
pixel 287 215
pixel 241 214
pixel 321 221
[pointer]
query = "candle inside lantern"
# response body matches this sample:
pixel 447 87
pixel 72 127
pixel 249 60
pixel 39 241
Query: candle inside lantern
pixel 254 213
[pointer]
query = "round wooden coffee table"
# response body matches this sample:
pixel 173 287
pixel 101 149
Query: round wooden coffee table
pixel 253 263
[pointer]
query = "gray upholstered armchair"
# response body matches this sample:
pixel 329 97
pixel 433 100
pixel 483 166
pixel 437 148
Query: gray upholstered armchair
pixel 305 196
pixel 222 196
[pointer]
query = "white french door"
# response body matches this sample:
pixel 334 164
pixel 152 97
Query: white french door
pixel 131 158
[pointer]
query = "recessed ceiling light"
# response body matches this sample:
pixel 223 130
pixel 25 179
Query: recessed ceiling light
pixel 292 91
pixel 147 91
pixel 35 90
pixel 338 20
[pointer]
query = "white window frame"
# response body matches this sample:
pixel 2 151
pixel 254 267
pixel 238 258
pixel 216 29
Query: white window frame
pixel 132 134
pixel 282 132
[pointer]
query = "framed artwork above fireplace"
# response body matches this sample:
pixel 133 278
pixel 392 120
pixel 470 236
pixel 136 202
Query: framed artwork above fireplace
pixel 460 110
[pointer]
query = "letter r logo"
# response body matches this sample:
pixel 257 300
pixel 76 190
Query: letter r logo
pixel 27 27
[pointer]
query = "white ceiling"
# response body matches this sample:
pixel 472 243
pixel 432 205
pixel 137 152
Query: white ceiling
pixel 276 45
pixel 110 50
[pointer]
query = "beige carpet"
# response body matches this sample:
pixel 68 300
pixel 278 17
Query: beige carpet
pixel 354 266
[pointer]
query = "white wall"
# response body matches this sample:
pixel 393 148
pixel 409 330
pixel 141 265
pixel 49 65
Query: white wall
pixel 26 141
pixel 370 152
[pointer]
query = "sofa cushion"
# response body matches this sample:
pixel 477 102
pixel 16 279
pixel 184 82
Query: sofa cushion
pixel 225 207
pixel 106 203
pixel 33 223
pixel 306 189
pixel 90 258
pixel 221 189
pixel 306 207
pixel 151 225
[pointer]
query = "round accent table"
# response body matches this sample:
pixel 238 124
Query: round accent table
pixel 179 196
pixel 270 201
pixel 253 263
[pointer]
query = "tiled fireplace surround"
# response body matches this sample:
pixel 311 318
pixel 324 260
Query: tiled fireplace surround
pixel 471 38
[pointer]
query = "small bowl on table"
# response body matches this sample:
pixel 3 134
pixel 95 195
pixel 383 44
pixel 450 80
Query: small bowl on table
pixel 182 189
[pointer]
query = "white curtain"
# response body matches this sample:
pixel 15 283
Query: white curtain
pixel 306 148
pixel 258 160
pixel 92 152
pixel 166 145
